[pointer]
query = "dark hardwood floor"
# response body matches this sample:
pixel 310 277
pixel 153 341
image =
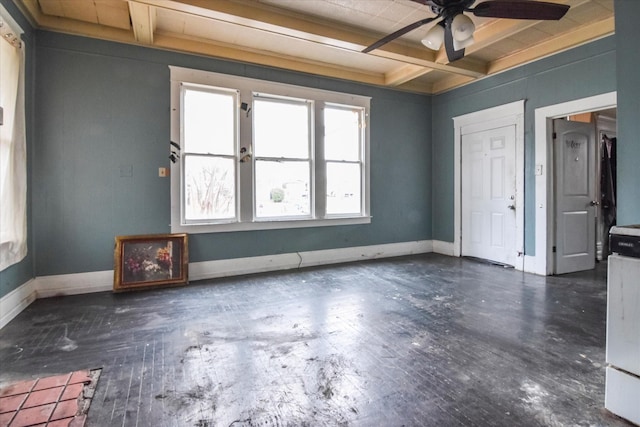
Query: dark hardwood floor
pixel 414 341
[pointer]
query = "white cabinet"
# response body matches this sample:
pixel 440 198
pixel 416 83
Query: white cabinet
pixel 622 391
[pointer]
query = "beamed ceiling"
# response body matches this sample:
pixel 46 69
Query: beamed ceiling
pixel 325 37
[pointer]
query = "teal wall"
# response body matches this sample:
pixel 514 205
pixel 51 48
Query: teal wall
pixel 94 106
pixel 103 105
pixel 14 276
pixel 628 78
pixel 578 73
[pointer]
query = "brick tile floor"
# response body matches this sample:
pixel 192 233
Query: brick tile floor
pixel 58 401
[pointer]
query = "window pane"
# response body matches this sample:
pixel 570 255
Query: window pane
pixel 343 188
pixel 208 122
pixel 341 134
pixel 209 188
pixel 281 129
pixel 282 189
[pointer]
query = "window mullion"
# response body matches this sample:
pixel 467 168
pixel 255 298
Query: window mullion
pixel 246 162
pixel 320 167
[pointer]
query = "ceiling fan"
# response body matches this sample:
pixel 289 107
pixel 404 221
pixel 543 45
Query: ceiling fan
pixel 456 29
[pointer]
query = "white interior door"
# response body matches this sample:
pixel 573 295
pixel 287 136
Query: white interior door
pixel 488 205
pixel 575 190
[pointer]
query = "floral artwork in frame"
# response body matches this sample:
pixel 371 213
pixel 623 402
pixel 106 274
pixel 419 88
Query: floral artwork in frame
pixel 150 260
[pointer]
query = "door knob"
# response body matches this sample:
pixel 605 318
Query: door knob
pixel 594 203
pixel 512 207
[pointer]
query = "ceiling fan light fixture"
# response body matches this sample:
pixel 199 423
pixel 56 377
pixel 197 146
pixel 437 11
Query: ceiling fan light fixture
pixel 434 38
pixel 462 28
pixel 455 30
pixel 457 45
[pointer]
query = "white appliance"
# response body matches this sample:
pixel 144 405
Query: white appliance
pixel 622 389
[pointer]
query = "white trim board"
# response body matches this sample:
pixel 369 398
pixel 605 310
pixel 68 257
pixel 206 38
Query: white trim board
pixel 15 301
pixel 261 264
pixel 544 183
pixel 100 281
pixel 443 248
pixel 511 114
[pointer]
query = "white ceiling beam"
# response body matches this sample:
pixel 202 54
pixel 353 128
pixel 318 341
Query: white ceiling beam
pixel 258 16
pixel 221 50
pixel 404 74
pixel 73 26
pixel 143 19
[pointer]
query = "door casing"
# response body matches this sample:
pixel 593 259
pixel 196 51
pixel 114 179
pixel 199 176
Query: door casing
pixel 491 118
pixel 543 260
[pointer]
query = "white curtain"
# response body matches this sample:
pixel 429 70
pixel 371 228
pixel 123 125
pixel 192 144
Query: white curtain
pixel 13 155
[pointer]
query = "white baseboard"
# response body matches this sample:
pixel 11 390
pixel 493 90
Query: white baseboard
pixel 530 264
pixel 98 281
pixel 15 301
pixel 73 284
pixel 443 248
pixel 261 264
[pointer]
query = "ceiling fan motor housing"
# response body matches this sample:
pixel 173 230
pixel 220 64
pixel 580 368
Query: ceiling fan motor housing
pixel 446 8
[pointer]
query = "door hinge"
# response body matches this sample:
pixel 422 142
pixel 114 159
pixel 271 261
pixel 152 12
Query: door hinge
pixel 553 250
pixel 555 135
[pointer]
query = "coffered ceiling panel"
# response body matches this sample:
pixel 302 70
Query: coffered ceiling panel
pixel 326 37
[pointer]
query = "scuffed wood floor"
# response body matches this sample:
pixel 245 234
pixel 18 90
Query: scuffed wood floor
pixel 416 341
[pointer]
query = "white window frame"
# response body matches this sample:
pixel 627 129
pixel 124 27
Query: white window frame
pixel 234 156
pixel 309 160
pixel 247 88
pixel 361 161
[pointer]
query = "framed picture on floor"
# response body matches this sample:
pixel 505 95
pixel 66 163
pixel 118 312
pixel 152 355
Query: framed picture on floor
pixel 147 261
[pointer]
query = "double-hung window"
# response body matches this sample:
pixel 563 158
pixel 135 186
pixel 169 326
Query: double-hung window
pixel 282 145
pixel 250 154
pixel 209 134
pixel 343 155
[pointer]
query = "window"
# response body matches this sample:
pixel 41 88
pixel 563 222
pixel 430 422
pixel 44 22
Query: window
pixel 260 155
pixel 343 156
pixel 13 156
pixel 209 144
pixel 282 146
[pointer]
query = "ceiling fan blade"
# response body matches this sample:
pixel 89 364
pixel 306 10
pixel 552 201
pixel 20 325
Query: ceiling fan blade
pixel 424 2
pixel 445 3
pixel 520 9
pixel 400 32
pixel 452 53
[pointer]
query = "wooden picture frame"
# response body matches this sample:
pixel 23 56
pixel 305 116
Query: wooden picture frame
pixel 151 260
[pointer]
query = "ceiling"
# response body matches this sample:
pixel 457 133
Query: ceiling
pixel 325 37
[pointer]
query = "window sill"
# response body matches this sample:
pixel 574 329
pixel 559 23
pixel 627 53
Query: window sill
pixel 267 225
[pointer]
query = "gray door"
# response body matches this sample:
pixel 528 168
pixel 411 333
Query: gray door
pixel 575 196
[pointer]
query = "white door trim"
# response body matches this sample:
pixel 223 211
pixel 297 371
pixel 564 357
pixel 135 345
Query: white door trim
pixel 544 185
pixel 490 118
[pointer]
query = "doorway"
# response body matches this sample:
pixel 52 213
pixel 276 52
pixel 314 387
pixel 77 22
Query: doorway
pixel 576 189
pixel 544 262
pixel 507 219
